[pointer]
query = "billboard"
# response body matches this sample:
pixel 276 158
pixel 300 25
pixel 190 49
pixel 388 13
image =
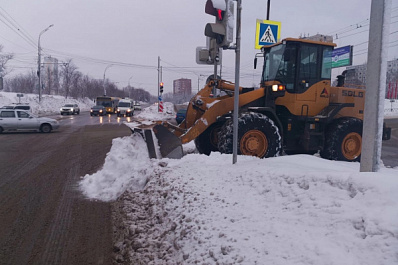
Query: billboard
pixel 342 56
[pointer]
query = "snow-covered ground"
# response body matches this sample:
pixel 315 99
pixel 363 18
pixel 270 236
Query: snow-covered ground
pixel 201 209
pixel 286 210
pixel 296 209
pixel 49 104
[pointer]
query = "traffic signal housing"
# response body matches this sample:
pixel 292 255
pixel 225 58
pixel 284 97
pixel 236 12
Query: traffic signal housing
pixel 222 29
pixel 161 87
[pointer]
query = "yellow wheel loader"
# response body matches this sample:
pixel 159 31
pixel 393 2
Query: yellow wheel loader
pixel 295 110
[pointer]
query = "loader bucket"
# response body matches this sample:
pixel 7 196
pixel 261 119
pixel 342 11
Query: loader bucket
pixel 161 143
pixel 169 145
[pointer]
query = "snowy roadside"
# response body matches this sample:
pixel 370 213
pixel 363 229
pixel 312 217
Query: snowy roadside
pixel 49 105
pixel 285 210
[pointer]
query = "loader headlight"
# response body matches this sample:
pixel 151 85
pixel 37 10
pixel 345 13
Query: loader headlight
pixel 276 88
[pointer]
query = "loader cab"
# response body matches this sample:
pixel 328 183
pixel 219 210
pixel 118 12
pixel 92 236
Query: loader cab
pixel 297 63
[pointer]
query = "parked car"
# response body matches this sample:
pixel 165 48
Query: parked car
pixel 70 109
pixel 14 120
pixel 22 106
pixel 7 107
pixel 137 105
pixel 180 116
pixel 98 111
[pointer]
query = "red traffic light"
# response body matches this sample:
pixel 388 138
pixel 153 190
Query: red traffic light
pixel 220 14
pixel 161 84
pixel 216 8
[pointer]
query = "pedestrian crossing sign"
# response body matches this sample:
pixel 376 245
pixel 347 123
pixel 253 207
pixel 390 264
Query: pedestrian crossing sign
pixel 267 32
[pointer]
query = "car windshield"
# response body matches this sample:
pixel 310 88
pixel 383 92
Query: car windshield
pixel 97 107
pixel 273 62
pixel 182 111
pixel 69 105
pixel 280 65
pixel 124 104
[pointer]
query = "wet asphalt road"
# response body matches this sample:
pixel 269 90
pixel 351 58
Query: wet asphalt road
pixel 43 217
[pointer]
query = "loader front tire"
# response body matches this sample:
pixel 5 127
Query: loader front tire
pixel 207 142
pixel 257 136
pixel 343 140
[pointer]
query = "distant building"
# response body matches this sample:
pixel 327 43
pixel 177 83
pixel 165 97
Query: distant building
pixel 50 75
pixel 182 86
pixel 356 77
pixel 358 72
pixel 319 37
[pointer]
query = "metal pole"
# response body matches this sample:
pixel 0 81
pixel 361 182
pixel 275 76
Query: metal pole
pixel 236 91
pixel 104 78
pixel 268 8
pixel 375 85
pixel 39 59
pixel 158 81
pixel 215 69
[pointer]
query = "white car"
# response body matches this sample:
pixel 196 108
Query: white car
pixel 137 105
pixel 70 109
pixel 12 120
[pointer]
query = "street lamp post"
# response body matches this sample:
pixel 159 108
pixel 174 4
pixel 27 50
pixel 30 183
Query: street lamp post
pixel 130 87
pixel 39 59
pixel 104 78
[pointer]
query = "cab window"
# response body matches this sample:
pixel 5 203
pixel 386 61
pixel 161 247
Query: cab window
pixel 7 114
pixel 22 114
pixel 327 63
pixel 308 72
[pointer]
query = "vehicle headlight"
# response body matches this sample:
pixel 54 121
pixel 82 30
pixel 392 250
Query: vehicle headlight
pixel 91 110
pixel 128 110
pixel 72 109
pixel 100 110
pixel 60 109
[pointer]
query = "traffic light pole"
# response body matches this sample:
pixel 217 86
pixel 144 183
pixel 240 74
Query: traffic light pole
pixel 215 71
pixel 236 91
pixel 158 82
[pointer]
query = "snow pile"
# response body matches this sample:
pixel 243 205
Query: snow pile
pixel 151 113
pixel 49 104
pixel 286 210
pixel 127 167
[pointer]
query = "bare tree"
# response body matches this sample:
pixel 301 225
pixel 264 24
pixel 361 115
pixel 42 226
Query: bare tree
pixel 67 72
pixel 23 83
pixel 4 58
pixel 77 86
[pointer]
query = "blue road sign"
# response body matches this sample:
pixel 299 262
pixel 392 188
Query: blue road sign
pixel 267 32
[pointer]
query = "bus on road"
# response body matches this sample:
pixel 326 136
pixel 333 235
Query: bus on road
pixel 110 103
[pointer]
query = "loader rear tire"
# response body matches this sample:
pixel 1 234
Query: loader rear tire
pixel 257 136
pixel 343 140
pixel 207 142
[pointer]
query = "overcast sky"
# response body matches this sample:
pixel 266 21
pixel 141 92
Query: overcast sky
pixel 131 34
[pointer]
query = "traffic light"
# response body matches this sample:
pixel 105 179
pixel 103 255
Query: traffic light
pixel 161 87
pixel 222 29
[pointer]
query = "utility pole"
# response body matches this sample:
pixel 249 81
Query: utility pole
pixel 39 59
pixel 375 85
pixel 268 8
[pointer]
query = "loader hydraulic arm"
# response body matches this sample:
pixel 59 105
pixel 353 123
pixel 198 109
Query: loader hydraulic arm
pixel 204 110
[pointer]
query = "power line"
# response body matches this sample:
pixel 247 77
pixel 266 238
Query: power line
pixel 9 22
